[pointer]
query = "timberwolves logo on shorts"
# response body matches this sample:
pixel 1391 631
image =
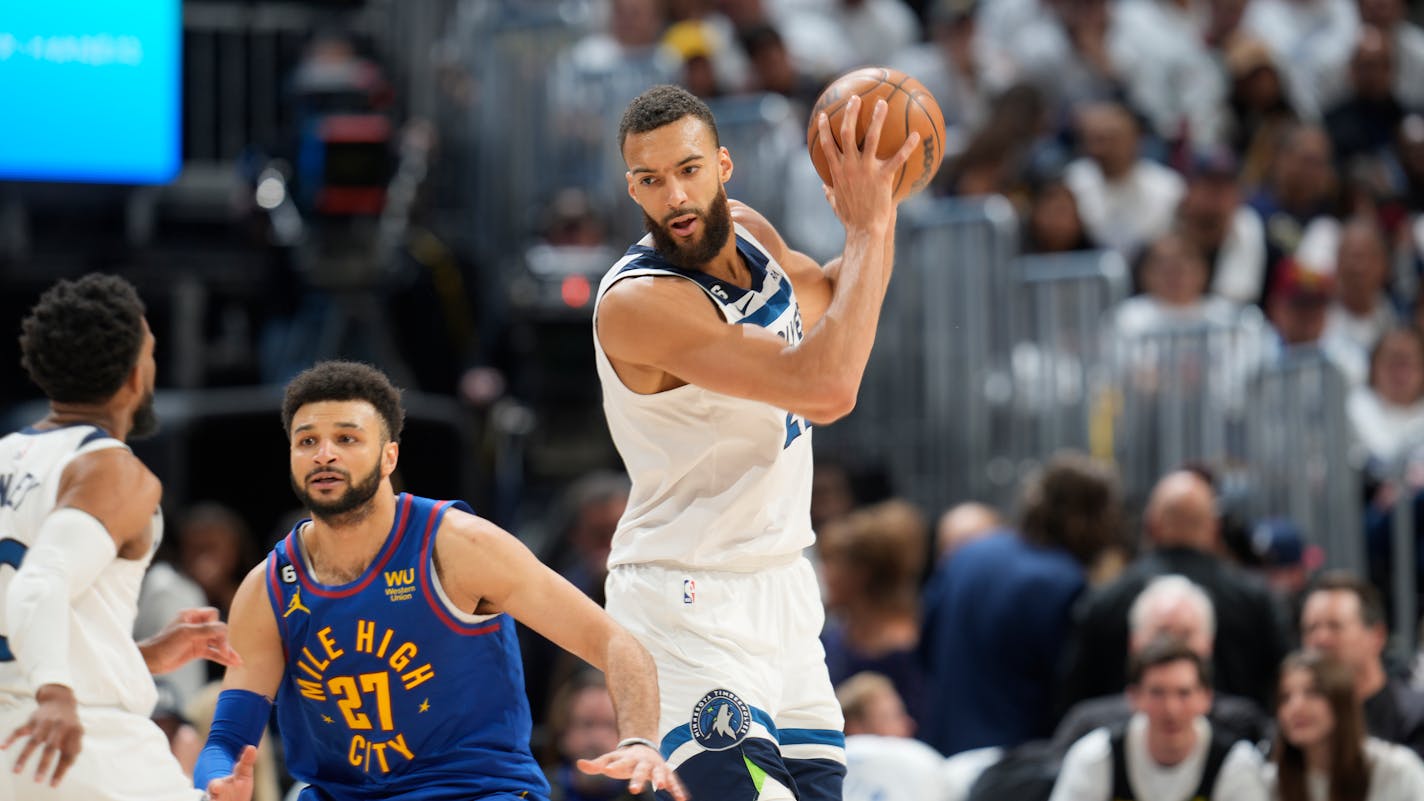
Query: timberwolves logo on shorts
pixel 720 720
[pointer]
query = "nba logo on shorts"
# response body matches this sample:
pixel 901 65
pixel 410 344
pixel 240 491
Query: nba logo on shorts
pixel 689 591
pixel 720 720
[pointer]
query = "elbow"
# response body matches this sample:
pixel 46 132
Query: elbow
pixel 830 405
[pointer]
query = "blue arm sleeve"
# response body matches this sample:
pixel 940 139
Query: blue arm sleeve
pixel 239 721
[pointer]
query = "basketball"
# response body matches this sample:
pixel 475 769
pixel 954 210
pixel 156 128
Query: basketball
pixel 912 108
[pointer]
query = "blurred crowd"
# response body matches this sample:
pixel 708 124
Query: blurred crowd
pixel 1258 163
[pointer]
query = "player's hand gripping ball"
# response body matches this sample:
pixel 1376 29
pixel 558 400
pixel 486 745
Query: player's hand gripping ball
pixel 912 108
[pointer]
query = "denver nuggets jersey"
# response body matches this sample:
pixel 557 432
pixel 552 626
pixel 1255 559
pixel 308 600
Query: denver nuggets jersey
pixel 719 483
pixel 389 691
pixel 107 667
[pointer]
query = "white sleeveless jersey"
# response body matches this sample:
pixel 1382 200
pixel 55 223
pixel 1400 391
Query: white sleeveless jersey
pixel 719 483
pixel 107 667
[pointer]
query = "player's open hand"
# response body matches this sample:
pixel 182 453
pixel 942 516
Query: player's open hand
pixel 862 184
pixel 641 766
pixel 192 634
pixel 55 728
pixel 238 786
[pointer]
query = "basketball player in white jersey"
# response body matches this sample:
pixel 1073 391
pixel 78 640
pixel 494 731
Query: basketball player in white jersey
pixel 717 347
pixel 79 524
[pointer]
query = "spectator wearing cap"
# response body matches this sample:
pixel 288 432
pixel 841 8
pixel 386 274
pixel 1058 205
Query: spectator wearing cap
pixel 1283 557
pixel 1125 200
pixel 1183 529
pixel 1228 232
pixel 1343 619
pixel 1298 306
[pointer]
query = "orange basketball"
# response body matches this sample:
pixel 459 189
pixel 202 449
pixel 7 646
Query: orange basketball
pixel 912 108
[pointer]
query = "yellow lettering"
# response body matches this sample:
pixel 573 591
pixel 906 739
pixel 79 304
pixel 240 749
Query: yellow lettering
pixel 358 743
pixel 309 670
pixel 417 677
pixel 380 684
pixel 330 645
pixel 386 640
pixel 403 655
pixel 380 751
pixel 399 744
pixel 312 689
pixel 365 635
pixel 319 664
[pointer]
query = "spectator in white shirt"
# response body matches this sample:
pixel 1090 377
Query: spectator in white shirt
pixel 1322 751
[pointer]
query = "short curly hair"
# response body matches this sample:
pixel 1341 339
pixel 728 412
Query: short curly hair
pixel 82 338
pixel 664 105
pixel 345 381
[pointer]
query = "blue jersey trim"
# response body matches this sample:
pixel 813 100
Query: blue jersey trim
pixel 812 737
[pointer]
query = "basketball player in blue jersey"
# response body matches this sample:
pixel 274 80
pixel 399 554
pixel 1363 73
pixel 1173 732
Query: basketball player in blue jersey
pixel 79 524
pixel 384 629
pixel 718 346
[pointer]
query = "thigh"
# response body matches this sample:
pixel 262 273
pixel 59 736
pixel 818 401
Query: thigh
pixel 808 719
pixel 123 757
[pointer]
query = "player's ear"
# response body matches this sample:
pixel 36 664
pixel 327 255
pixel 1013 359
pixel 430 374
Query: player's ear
pixel 724 165
pixel 390 454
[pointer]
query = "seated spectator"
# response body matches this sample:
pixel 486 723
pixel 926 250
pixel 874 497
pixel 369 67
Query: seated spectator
pixel 872 561
pixel 1343 620
pixel 1392 17
pixel 1261 111
pixel 997 611
pixel 1168 749
pixel 1300 187
pixel 1173 275
pixel 582 725
pixel 1053 224
pixel 1387 414
pixel 1362 310
pixel 1228 232
pixel 1362 123
pixel 1183 529
pixel 1169 606
pixel 1297 307
pixel 1322 751
pixel 1126 200
pixel 883 763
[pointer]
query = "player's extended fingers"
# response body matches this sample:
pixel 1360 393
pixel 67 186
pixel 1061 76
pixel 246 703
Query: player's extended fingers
pixel 28 727
pixel 849 118
pixel 66 761
pixel 641 774
pixel 245 763
pixel 877 125
pixel 48 756
pixel 219 649
pixel 829 149
pixel 31 744
pixel 666 778
pixel 912 142
pixel 599 765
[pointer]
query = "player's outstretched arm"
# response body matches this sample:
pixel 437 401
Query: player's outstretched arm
pixel 103 508
pixel 483 568
pixel 249 686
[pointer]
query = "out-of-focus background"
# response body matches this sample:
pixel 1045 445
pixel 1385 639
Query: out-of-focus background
pixel 1171 234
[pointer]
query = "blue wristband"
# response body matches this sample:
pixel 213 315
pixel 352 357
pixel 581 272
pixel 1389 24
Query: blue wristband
pixel 239 720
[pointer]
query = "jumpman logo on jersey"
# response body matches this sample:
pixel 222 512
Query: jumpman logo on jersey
pixel 296 605
pixel 723 724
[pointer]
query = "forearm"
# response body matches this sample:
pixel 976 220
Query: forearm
pixel 633 682
pixel 837 348
pixel 72 548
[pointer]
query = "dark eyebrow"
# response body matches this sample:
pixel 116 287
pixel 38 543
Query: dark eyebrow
pixel 693 157
pixel 309 426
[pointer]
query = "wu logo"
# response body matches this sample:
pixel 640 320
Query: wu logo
pixel 395 578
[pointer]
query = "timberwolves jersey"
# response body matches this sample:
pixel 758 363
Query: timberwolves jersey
pixel 107 667
pixel 389 691
pixel 719 483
